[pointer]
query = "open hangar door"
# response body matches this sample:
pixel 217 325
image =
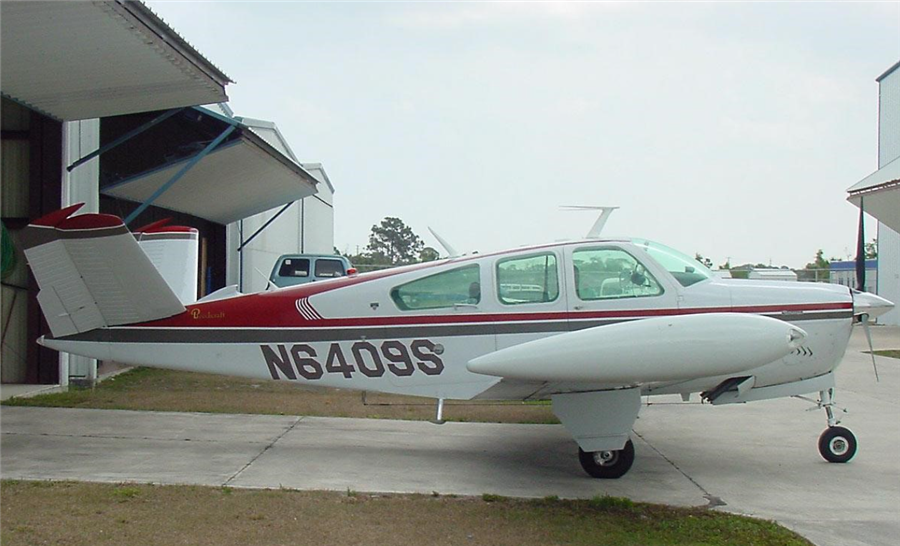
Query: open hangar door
pixel 200 168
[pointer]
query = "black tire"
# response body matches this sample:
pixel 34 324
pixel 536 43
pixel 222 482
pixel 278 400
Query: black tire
pixel 607 465
pixel 837 445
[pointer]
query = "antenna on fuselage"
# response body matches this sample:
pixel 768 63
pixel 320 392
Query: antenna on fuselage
pixel 595 230
pixel 451 252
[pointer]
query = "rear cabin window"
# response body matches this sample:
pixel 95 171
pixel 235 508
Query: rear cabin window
pixel 329 268
pixel 529 279
pixel 294 267
pixel 610 273
pixel 445 289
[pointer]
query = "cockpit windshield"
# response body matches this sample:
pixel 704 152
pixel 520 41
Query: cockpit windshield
pixel 685 269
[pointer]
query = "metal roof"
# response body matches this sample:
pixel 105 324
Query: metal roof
pixel 888 72
pixel 269 132
pixel 82 60
pixel 880 194
pixel 851 265
pixel 318 171
pixel 889 172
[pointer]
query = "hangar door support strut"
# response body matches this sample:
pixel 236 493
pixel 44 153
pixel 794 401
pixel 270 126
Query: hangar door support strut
pixel 264 226
pixel 124 138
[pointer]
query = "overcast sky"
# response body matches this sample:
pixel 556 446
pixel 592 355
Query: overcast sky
pixel 732 130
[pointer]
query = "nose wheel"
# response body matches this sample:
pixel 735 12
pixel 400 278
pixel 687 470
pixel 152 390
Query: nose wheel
pixel 836 444
pixel 607 464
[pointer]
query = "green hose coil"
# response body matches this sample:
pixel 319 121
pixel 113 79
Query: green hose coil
pixel 9 253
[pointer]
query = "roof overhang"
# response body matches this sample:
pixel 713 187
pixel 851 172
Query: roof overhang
pixel 879 194
pixel 82 60
pixel 241 177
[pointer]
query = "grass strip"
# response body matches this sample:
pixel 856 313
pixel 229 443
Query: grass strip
pixel 166 390
pixel 892 353
pixel 87 513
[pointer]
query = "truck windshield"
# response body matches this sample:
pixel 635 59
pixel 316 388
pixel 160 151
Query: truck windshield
pixel 685 269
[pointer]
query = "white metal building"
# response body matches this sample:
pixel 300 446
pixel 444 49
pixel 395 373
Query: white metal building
pixel 879 193
pixel 302 226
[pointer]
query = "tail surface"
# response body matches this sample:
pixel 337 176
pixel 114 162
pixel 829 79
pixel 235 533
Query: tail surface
pixel 93 274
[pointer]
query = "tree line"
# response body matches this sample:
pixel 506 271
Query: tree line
pixel 392 243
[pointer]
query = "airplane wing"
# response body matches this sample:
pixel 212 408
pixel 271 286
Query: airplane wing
pixel 628 354
pixel 672 348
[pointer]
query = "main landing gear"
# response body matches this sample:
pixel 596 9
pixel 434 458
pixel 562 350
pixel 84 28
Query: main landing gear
pixel 607 464
pixel 836 444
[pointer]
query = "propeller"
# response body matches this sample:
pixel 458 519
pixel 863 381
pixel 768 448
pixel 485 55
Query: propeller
pixel 868 306
pixel 861 250
pixel 864 319
pixel 861 280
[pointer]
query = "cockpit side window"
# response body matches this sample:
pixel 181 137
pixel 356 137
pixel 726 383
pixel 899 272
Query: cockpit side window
pixel 444 289
pixel 611 273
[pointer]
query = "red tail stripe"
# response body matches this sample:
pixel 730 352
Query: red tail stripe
pixel 54 218
pixel 90 221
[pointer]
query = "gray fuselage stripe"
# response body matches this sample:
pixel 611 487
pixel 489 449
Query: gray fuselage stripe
pixel 298 335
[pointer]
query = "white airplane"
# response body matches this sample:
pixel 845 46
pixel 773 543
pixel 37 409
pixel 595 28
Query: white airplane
pixel 592 325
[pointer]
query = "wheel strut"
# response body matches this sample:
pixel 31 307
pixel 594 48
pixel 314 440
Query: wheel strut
pixel 836 444
pixel 826 398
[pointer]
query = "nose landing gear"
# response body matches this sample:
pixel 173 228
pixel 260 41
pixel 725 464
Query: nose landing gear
pixel 836 444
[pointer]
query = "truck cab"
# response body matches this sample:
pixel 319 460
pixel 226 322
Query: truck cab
pixel 294 269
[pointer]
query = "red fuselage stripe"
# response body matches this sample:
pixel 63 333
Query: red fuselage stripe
pixel 294 319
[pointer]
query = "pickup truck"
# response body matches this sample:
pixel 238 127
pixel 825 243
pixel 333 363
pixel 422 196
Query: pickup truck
pixel 293 269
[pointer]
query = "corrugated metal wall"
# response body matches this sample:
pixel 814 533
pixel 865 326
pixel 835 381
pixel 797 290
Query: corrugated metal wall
pixel 889 119
pixel 14 169
pixel 889 150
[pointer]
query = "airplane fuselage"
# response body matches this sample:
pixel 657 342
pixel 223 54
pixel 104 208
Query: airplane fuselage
pixel 412 330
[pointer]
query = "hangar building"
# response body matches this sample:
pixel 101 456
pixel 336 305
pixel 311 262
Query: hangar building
pixel 879 193
pixel 101 105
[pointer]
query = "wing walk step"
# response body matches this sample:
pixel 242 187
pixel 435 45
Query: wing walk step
pixel 730 384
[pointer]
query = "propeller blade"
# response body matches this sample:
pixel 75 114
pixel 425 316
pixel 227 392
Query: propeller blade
pixel 861 251
pixel 865 324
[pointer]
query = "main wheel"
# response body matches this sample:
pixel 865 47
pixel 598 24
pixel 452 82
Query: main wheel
pixel 607 464
pixel 837 445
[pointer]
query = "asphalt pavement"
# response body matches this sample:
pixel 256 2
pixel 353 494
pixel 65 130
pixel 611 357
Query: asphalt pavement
pixel 758 459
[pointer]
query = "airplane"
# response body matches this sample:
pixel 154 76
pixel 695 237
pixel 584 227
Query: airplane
pixel 591 325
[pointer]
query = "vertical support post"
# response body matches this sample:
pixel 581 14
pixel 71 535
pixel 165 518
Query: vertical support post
pixel 861 250
pixel 240 257
pixel 162 189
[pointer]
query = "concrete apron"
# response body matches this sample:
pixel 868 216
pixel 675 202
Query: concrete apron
pixel 758 459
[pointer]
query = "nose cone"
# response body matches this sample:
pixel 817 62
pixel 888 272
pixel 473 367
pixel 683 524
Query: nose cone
pixel 870 304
